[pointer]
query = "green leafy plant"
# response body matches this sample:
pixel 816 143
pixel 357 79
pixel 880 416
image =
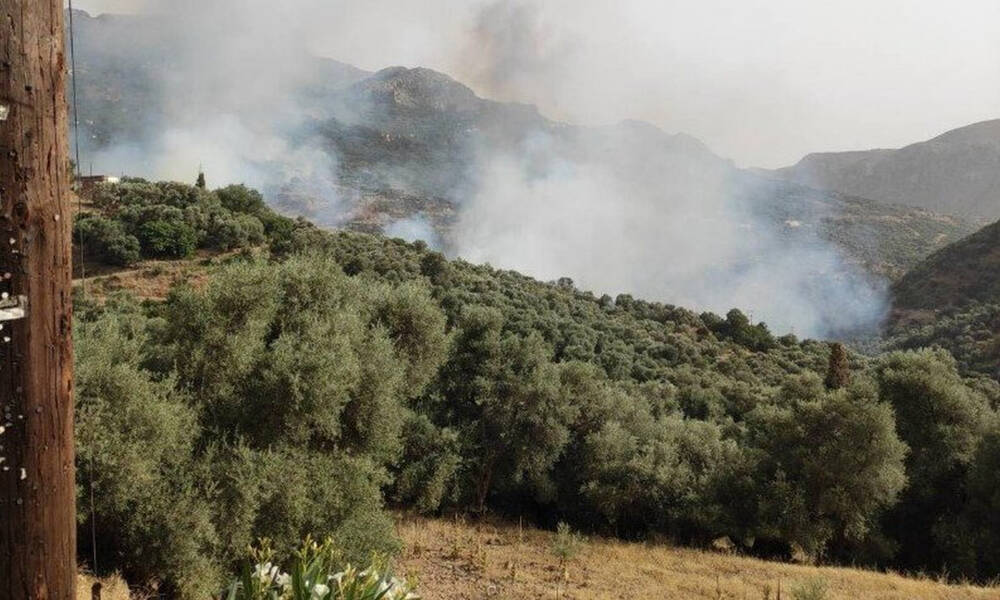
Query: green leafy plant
pixel 106 240
pixel 566 545
pixel 167 239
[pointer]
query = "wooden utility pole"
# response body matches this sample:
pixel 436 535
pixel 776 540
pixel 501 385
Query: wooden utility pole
pixel 37 488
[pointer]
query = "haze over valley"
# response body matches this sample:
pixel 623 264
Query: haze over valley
pixel 625 208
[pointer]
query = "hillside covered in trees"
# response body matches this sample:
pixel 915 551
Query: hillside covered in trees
pixel 952 300
pixel 316 379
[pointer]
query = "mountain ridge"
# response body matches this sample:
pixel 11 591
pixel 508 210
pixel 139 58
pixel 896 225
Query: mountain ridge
pixel 956 172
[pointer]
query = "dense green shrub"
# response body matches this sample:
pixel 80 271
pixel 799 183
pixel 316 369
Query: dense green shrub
pixel 286 494
pixel 737 327
pixel 830 463
pixel 241 199
pixel 296 435
pixel 501 393
pixel 236 231
pixel 426 476
pixel 111 197
pixel 167 239
pixel 171 220
pixel 106 240
pixel 942 420
pixel 972 540
pixel 136 437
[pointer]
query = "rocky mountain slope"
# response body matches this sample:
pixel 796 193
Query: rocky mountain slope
pixel 124 63
pixel 955 173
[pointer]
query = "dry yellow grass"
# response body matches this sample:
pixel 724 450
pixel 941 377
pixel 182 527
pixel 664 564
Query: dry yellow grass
pixel 457 561
pixel 112 588
pixel 150 279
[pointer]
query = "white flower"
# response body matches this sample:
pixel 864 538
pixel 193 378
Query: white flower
pixel 283 580
pixel 266 573
pixel 320 591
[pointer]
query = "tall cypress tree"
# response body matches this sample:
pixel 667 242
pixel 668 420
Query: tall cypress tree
pixel 838 373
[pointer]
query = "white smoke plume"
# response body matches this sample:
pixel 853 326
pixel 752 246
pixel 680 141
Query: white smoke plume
pixel 694 244
pixel 414 229
pixel 223 83
pixel 622 210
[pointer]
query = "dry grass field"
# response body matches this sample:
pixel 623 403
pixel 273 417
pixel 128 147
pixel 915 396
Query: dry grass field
pixel 150 279
pixel 453 560
pixel 112 588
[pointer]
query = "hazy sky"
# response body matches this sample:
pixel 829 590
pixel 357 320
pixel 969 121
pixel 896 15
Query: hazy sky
pixel 760 81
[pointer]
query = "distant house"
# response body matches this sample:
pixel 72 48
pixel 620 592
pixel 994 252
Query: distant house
pixel 86 183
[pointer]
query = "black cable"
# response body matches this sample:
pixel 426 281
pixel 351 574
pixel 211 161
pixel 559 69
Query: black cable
pixel 76 113
pixel 83 272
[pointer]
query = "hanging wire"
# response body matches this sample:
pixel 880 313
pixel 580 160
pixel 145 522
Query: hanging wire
pixel 76 141
pixel 83 270
pixel 76 113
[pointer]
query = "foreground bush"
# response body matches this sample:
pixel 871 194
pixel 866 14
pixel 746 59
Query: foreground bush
pixel 270 403
pixel 136 440
pixel 106 240
pixel 317 572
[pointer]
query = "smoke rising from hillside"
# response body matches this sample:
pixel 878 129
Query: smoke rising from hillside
pixel 620 210
pixel 412 230
pixel 222 81
pixel 690 242
pixel 677 227
pixel 512 48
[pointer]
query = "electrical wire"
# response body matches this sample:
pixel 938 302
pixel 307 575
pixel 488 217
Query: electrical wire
pixel 83 271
